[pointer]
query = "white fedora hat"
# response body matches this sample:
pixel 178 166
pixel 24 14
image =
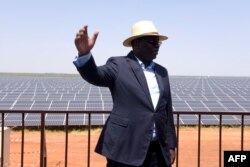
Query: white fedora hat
pixel 143 28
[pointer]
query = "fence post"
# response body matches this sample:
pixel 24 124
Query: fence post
pixel 22 144
pixel 66 139
pixel 89 129
pixel 220 139
pixel 42 140
pixel 2 142
pixel 199 140
pixel 242 132
pixel 177 150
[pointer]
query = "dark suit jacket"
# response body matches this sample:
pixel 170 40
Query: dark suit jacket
pixel 126 135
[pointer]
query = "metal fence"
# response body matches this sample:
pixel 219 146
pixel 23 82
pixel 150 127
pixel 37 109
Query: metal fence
pixel 43 151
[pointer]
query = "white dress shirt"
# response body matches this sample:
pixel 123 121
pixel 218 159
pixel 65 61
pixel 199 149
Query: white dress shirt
pixel 153 89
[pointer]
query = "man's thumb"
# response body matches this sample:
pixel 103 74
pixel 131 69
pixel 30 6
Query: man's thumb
pixel 95 36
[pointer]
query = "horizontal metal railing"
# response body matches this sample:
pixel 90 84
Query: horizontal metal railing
pixel 43 153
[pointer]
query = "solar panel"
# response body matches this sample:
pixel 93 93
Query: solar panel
pixel 23 104
pixel 6 104
pixel 77 119
pixel 77 105
pixel 41 104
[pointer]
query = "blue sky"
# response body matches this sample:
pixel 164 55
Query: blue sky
pixel 206 37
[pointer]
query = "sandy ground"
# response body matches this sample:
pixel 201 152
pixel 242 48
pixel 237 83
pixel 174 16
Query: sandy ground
pixel 77 147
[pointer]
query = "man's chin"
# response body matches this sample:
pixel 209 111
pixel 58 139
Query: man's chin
pixel 154 56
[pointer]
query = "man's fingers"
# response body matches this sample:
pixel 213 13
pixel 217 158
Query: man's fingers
pixel 95 35
pixel 83 32
pixel 86 29
pixel 78 35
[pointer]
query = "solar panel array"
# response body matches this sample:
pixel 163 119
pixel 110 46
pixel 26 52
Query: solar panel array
pixel 73 93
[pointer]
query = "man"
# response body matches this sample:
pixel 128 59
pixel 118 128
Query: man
pixel 140 129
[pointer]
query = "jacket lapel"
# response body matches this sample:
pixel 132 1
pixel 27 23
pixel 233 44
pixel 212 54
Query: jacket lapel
pixel 139 75
pixel 160 82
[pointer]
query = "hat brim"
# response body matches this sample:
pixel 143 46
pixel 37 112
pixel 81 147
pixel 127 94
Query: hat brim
pixel 128 41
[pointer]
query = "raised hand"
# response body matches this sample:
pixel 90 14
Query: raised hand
pixel 82 41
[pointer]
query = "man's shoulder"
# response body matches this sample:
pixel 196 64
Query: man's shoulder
pixel 117 58
pixel 160 66
pixel 161 69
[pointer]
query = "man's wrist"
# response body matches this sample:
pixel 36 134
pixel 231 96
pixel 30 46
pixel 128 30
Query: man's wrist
pixel 82 60
pixel 83 54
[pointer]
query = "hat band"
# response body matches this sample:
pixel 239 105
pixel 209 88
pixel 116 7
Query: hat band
pixel 148 33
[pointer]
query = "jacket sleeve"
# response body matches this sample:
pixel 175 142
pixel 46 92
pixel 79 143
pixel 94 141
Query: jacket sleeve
pixel 171 135
pixel 100 76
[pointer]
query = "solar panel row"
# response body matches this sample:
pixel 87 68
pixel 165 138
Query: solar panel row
pixel 73 93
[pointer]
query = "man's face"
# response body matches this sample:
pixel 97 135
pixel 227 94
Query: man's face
pixel 148 47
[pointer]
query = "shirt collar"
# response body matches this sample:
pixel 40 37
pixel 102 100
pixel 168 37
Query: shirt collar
pixel 149 67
